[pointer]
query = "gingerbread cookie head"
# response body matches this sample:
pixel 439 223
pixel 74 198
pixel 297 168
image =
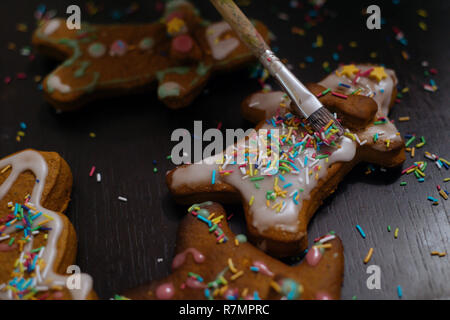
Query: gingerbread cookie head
pixel 179 53
pixel 38 243
pixel 213 263
pixel 282 184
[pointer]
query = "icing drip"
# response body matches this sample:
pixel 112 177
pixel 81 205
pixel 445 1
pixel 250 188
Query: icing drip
pixel 169 89
pixel 51 27
pixel 263 268
pixel 165 291
pixel 313 256
pixel 33 161
pixel 194 283
pixel 323 296
pixel 220 49
pixel 96 50
pixel 54 83
pixel 180 258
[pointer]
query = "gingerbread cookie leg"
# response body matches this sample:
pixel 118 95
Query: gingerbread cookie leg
pixel 280 194
pixel 213 263
pixel 181 52
pixel 37 242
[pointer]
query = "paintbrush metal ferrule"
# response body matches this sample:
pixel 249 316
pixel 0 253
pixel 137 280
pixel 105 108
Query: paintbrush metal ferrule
pixel 305 102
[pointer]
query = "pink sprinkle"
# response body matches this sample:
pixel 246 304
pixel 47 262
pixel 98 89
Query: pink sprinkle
pixel 433 71
pixel 230 216
pixel 343 96
pixel 21 76
pixel 7 80
pixel 219 126
pixel 92 171
pixel 366 73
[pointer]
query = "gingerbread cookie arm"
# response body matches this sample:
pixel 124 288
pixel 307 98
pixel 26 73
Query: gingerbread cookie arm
pixel 220 265
pixel 31 183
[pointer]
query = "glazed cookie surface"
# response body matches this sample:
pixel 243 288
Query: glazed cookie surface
pixel 213 263
pixel 289 170
pixel 179 53
pixel 38 243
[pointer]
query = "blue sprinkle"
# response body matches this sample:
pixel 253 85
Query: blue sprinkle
pixel 361 231
pixel 399 291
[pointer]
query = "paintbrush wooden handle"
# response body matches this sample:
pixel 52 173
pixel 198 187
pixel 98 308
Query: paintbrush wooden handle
pixel 241 25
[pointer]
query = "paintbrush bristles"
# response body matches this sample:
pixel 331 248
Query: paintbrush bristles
pixel 321 118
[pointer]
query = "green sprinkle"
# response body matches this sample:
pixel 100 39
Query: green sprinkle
pixel 36 250
pixel 155 170
pixel 322 156
pixel 403 183
pixel 256 178
pixel 169 157
pixel 11 241
pixel 326 91
pixel 389 228
pixel 257 185
pixel 410 141
pixel 379 122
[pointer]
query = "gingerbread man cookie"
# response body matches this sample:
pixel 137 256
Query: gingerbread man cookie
pixel 289 170
pixel 37 242
pixel 213 263
pixel 180 53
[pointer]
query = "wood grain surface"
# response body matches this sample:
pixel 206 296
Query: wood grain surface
pixel 125 244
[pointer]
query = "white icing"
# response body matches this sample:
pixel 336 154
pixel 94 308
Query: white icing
pixel 96 50
pixel 220 49
pixel 52 26
pixel 287 219
pixel 33 161
pixel 264 217
pixel 268 102
pixel 383 95
pixel 54 82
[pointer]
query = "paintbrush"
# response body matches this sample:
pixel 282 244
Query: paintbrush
pixel 305 103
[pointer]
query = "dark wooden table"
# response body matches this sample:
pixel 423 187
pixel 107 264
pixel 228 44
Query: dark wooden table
pixel 120 243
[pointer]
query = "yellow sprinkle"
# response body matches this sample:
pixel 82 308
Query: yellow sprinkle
pixel 267 203
pixel 244 292
pixel 217 220
pixel 275 286
pixel 396 233
pixel 437 253
pixel 368 256
pixel 413 152
pixel 231 265
pixel 211 215
pixel 401 119
pixel 423 26
pixel 251 200
pixel 236 242
pixel 92 135
pixel 388 142
pixel 47 216
pixel 325 246
pixel 317 176
pixel 223 289
pixel 223 280
pixel 236 275
pixel 5 169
